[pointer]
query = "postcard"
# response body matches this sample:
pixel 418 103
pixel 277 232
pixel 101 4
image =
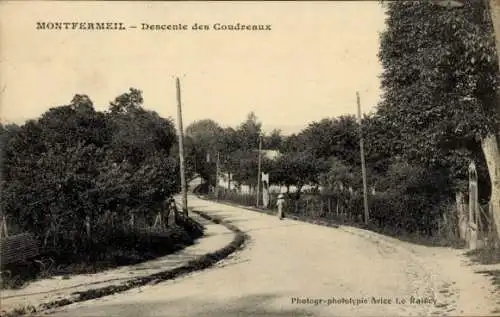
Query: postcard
pixel 249 158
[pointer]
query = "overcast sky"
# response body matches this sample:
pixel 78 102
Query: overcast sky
pixel 309 66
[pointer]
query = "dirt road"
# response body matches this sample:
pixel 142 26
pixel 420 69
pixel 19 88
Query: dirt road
pixel 290 268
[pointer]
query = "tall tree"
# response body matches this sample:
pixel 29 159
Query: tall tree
pixel 293 143
pixel 439 81
pixel 207 135
pixel 248 132
pixel 274 140
pixel 333 137
pixel 127 102
pixel 298 169
pixel 490 143
pixel 138 133
pixel 204 140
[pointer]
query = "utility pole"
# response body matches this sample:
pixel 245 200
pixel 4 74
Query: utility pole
pixel 363 166
pixel 217 167
pixel 259 175
pixel 181 149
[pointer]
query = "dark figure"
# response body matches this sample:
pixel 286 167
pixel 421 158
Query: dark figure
pixel 169 207
pixel 173 208
pixel 281 204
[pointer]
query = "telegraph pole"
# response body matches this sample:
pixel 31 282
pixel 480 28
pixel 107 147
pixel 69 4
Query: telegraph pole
pixel 259 175
pixel 217 167
pixel 181 149
pixel 363 166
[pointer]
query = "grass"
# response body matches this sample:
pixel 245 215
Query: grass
pixel 487 255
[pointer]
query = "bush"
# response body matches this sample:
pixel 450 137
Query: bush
pixel 408 197
pixel 75 164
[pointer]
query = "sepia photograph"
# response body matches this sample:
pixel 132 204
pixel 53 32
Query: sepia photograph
pixel 249 158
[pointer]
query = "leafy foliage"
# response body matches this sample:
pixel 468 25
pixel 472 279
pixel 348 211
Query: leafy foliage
pixel 298 169
pixel 439 63
pixel 273 141
pixel 439 82
pixel 74 162
pixel 333 137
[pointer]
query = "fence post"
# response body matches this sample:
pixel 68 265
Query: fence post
pixel 3 228
pixel 492 227
pixel 473 205
pixel 461 216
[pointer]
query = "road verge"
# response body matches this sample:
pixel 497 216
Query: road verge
pixel 200 263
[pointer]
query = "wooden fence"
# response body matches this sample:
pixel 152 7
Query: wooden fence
pixel 474 222
pixel 346 207
pixel 342 209
pixel 468 222
pixel 475 225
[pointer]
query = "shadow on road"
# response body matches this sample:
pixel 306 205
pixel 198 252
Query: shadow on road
pixel 258 305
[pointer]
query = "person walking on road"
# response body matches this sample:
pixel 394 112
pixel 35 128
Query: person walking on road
pixel 280 204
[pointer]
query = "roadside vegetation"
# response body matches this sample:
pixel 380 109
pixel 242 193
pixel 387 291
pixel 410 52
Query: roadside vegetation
pixel 438 113
pixel 88 185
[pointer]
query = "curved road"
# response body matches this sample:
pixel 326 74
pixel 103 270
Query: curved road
pixel 291 268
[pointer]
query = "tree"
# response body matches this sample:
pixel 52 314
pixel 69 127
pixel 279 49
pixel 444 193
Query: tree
pixel 293 143
pixel 206 133
pixel 490 142
pixel 439 81
pixel 82 103
pixel 49 168
pixel 204 139
pixel 243 165
pixel 339 174
pixel 273 141
pixel 75 162
pixel 383 143
pixel 229 140
pixel 297 169
pixel 494 10
pixel 138 133
pixel 333 137
pixel 127 102
pixel 248 132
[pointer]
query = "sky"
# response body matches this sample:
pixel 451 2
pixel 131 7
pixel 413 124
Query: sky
pixel 308 67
